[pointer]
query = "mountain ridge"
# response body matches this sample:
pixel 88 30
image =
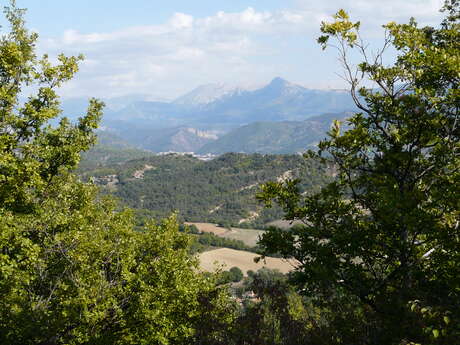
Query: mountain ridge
pixel 215 104
pixel 274 137
pixel 194 120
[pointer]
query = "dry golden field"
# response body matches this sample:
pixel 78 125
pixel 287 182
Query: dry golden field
pixel 214 259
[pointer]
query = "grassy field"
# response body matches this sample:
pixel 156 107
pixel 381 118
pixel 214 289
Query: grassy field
pixel 248 236
pixel 213 259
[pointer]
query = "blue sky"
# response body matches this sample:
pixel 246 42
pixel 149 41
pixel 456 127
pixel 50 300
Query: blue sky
pixel 165 48
pixel 104 15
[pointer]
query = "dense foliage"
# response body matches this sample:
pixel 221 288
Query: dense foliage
pixel 384 239
pixel 72 268
pixel 271 312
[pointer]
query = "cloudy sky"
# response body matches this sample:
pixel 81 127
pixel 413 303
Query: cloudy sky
pixel 164 48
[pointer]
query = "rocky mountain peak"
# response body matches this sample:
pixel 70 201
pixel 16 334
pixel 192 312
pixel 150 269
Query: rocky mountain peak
pixel 206 94
pixel 282 86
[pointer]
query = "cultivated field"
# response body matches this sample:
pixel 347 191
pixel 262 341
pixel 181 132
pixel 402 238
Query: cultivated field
pixel 248 236
pixel 213 259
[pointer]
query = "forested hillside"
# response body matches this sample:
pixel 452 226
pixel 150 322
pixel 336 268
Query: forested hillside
pixel 110 149
pixel 275 137
pixel 220 191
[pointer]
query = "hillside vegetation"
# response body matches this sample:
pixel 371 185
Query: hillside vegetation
pixel 218 191
pixel 110 149
pixel 275 137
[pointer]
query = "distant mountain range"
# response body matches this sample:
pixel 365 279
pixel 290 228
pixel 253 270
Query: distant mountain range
pixel 206 94
pixel 274 137
pixel 280 117
pixel 177 139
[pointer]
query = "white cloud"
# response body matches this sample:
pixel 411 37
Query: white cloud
pixel 378 12
pixel 242 47
pixel 171 58
pixel 261 22
pixel 187 53
pixel 181 21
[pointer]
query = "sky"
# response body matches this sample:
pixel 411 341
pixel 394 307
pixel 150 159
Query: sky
pixel 165 48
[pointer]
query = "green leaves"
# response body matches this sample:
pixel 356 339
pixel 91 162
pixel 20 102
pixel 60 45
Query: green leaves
pixel 335 129
pixel 341 28
pixel 32 154
pixel 383 234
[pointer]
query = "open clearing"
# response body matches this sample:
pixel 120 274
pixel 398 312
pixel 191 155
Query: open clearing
pixel 213 259
pixel 248 236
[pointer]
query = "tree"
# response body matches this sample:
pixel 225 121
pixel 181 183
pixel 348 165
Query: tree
pixel 385 235
pixel 72 268
pixel 237 274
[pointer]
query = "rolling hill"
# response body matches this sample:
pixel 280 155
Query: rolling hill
pixel 218 191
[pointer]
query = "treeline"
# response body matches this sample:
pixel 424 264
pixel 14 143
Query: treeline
pixel 202 241
pixel 207 240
